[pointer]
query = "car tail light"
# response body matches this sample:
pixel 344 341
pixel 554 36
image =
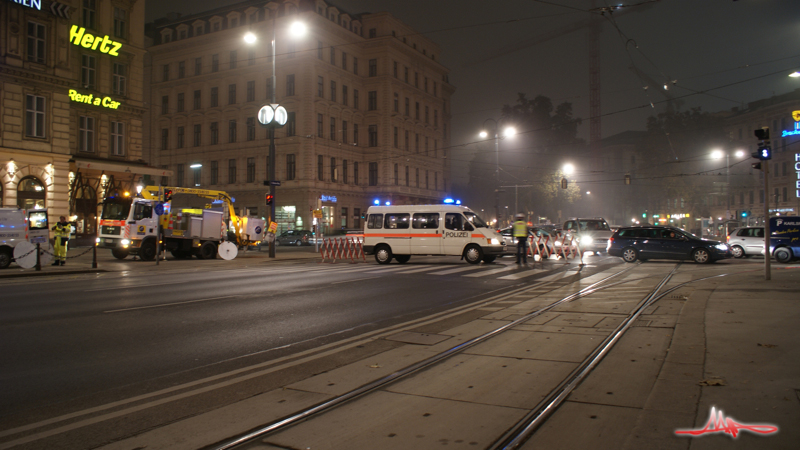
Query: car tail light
pixel 611 240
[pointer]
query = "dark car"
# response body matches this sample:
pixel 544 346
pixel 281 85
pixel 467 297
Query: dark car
pixel 295 237
pixel 657 242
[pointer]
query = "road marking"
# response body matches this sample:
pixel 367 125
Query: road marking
pixel 456 270
pixel 415 269
pixel 486 273
pixel 525 274
pixel 168 304
pixel 357 279
pixel 129 287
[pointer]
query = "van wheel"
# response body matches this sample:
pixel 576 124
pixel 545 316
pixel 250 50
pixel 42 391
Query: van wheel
pixel 5 257
pixel 148 250
pixel 383 254
pixel 119 253
pixel 208 250
pixel 489 259
pixel 402 259
pixel 783 255
pixel 738 252
pixel 473 254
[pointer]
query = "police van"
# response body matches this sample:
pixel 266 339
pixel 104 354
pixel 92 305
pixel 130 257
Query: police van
pixel 784 240
pixel 20 225
pixel 401 231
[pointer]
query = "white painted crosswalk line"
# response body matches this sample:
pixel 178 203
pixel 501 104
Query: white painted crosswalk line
pixel 415 269
pixel 525 274
pixel 557 276
pixel 486 273
pixel 456 270
pixel 386 269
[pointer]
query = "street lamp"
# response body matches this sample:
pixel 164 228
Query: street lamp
pixel 507 132
pixel 273 115
pixel 718 154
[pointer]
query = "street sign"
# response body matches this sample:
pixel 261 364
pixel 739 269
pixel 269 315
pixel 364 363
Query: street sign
pixel 273 227
pixel 318 213
pixel 159 209
pixel 274 183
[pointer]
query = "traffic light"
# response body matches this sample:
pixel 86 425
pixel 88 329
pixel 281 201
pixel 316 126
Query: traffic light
pixel 270 198
pixel 167 195
pixel 564 183
pixel 756 166
pixel 764 151
pixel 745 213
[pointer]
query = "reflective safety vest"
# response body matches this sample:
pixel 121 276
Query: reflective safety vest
pixel 62 231
pixel 520 229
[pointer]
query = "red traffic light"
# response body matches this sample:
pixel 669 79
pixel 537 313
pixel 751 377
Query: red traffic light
pixel 270 197
pixel 167 195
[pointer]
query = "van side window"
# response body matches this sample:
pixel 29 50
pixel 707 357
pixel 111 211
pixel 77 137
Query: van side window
pixel 375 221
pixel 454 221
pixel 426 221
pixel 37 220
pixel 396 221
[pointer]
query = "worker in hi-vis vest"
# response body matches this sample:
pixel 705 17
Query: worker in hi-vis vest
pixel 520 232
pixel 61 236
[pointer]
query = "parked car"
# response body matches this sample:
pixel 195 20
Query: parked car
pixel 659 242
pixel 590 234
pixel 295 237
pixel 746 241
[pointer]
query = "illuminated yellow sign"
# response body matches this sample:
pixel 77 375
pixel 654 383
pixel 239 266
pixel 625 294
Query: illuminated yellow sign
pixel 89 99
pixel 796 116
pixel 79 36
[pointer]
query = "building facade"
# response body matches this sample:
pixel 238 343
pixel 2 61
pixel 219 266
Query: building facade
pixel 71 105
pixel 367 99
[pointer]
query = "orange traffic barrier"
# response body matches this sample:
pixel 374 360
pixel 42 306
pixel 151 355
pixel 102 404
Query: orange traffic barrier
pixel 334 249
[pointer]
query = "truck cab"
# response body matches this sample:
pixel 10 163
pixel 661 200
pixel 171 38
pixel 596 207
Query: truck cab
pixel 128 226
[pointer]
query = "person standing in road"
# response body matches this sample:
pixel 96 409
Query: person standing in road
pixel 520 231
pixel 62 231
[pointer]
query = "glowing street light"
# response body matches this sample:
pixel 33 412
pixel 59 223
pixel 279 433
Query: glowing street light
pixel 568 169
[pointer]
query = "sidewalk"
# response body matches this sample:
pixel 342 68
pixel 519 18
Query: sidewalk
pixel 107 263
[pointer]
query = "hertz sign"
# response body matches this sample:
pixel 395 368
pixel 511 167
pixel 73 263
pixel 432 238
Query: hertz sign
pixel 79 36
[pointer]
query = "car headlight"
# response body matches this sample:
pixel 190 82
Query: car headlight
pixel 723 247
pixel 125 242
pixel 495 242
pixel 97 240
pixel 586 240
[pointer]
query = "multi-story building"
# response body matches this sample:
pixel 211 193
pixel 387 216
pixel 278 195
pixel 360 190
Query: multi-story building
pixel 71 105
pixel 367 99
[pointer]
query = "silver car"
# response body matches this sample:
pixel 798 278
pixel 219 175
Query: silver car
pixel 746 241
pixel 591 234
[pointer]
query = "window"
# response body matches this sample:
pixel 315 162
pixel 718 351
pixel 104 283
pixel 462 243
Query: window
pixel 164 180
pixel 119 79
pixel 180 102
pixel 289 85
pixel 165 72
pixel 333 129
pixel 344 218
pixel 396 102
pixel 199 30
pixel 417 173
pixel 290 166
pixel 197 173
pixel 416 110
pixel 251 170
pixel 180 138
pixel 333 56
pixel 373 174
pixel 198 66
pixel 164 138
pixel 196 100
pixel 233 59
pixel 333 91
pixel 416 143
pixel 181 69
pixel 394 69
pixel 373 67
pixel 89 12
pixel 214 133
pixel 320 87
pixel 344 60
pixel 179 174
pixel 34 116
pixel 214 172
pixel 88 70
pixel 231 171
pixel 785 195
pixel 373 33
pixel 375 221
pixel 86 134
pixel 319 125
pixel 117 138
pixel 396 221
pixel 291 125
pixel 320 168
pixel 425 84
pixel 319 49
pixel 215 63
pixel 396 174
pixel 406 140
pixel 344 95
pixel 344 171
pixel 355 173
pixel 355 98
pixel 251 57
pixel 214 97
pixel 405 74
pixel 333 170
pixel 426 115
pixel 435 118
pixel 232 94
pixel 408 179
pixel 357 218
pixel 355 134
pixel 37 50
pixel 427 184
pixel 408 108
pixel 251 128
pixel 372 100
pixel 344 131
pixel 197 134
pixel 355 65
pixel 396 138
pixel 251 91
pixel 416 80
pixel 231 131
pixel 425 221
pixel 373 135
pixel 164 104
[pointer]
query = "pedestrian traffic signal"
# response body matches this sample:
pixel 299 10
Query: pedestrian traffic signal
pixel 564 183
pixel 764 151
pixel 167 195
pixel 270 197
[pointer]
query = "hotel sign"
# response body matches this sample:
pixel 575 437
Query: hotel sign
pixel 79 36
pixel 797 171
pixel 796 131
pixel 89 99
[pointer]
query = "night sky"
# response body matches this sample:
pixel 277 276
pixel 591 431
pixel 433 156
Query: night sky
pixel 723 54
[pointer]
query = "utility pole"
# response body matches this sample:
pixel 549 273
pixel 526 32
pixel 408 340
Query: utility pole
pixel 516 194
pixel 767 255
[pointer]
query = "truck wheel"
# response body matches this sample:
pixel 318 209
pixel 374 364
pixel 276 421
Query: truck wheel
pixel 5 257
pixel 208 250
pixel 148 250
pixel 119 253
pixel 782 255
pixel 489 259
pixel 383 254
pixel 473 254
pixel 402 259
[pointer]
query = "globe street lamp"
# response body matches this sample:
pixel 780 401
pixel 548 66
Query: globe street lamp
pixel 718 154
pixel 273 116
pixel 507 132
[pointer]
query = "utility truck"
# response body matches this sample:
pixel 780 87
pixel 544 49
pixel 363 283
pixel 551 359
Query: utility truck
pixel 18 226
pixel 194 222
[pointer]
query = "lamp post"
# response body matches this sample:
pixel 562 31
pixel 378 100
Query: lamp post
pixel 507 132
pixel 718 154
pixel 273 115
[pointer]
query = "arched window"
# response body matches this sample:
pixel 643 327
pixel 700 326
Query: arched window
pixel 31 193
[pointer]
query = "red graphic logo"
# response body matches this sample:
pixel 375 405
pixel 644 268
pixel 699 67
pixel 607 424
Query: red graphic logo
pixel 717 423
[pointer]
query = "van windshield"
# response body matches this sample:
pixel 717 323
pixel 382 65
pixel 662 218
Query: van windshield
pixel 116 209
pixel 475 220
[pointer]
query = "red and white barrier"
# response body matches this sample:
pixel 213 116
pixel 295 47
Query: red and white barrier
pixel 342 249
